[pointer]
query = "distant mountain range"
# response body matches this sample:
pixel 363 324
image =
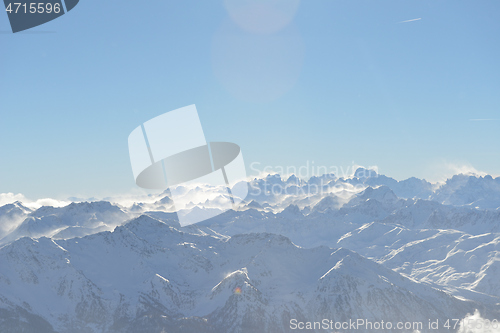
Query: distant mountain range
pixel 366 247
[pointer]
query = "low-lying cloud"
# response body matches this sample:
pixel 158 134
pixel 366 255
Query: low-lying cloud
pixel 477 324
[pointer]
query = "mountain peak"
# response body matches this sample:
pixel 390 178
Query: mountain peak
pixel 291 210
pixel 330 202
pixel 364 173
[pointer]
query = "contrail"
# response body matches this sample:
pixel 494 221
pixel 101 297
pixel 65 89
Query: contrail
pixel 417 19
pixel 484 119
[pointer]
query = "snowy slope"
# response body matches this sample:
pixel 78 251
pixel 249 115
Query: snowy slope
pixel 11 215
pixel 74 220
pixel 367 246
pixel 149 268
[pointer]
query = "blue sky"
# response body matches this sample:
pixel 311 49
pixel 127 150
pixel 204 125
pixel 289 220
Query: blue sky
pixel 340 82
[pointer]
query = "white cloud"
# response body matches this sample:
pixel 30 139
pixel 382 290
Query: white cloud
pixel 8 198
pixel 412 20
pixel 47 202
pixel 442 170
pixel 465 169
pixel 477 324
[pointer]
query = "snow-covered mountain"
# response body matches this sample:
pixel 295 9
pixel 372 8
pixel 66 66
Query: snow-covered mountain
pixel 10 217
pixel 469 190
pixel 74 220
pixel 146 268
pixel 366 247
